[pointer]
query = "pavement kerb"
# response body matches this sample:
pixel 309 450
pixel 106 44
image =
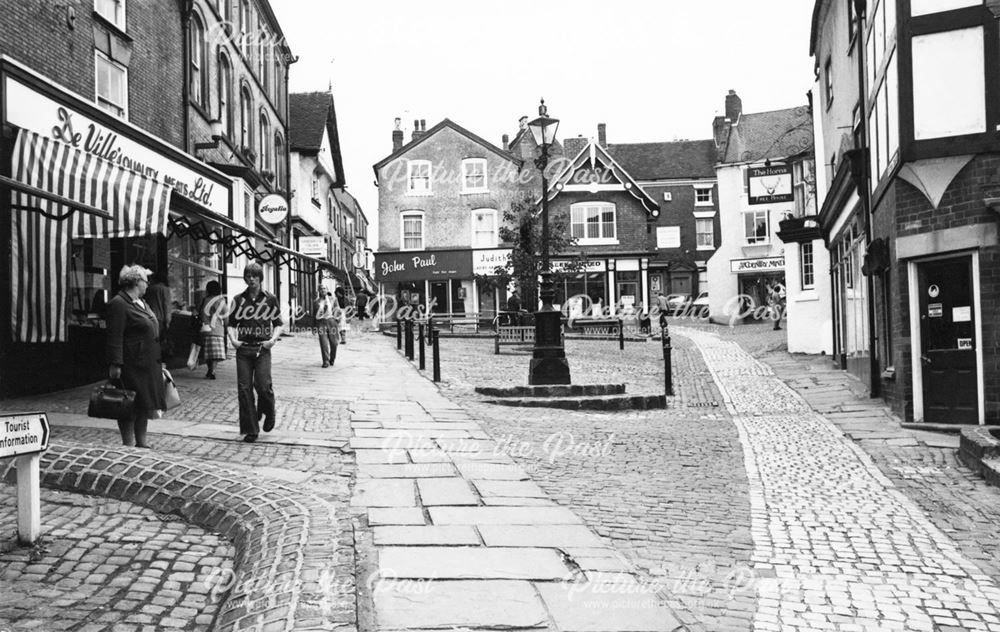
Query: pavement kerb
pixel 279 533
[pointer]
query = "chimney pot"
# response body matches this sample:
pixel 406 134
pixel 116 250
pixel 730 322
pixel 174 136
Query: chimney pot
pixel 506 141
pixel 423 125
pixel 602 135
pixel 734 106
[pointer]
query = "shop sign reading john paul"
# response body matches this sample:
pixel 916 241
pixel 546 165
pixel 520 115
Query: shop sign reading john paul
pixel 36 112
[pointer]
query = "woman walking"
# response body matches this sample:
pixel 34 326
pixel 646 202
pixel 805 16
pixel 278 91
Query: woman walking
pixel 212 327
pixel 133 352
pixel 342 314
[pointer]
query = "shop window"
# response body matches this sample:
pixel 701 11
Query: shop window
pixel 806 266
pixel 89 282
pixel 412 228
pixel 111 10
pixel 593 221
pixel 484 228
pixel 756 228
pixel 192 263
pixel 474 175
pixel 198 52
pixel 418 175
pixel 628 288
pixel 705 233
pixel 112 85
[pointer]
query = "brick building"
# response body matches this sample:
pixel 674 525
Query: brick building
pixel 441 198
pixel 105 139
pixel 910 201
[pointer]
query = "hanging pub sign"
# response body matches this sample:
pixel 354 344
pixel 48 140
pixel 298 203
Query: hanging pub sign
pixel 273 209
pixel 768 185
pixel 423 264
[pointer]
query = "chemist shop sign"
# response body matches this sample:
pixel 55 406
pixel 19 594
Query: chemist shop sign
pixel 424 264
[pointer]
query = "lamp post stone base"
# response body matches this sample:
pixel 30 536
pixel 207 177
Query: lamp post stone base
pixel 548 364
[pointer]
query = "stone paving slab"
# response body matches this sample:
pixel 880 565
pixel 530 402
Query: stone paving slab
pixel 391 492
pixel 445 491
pixel 520 489
pixel 555 536
pixel 503 515
pixel 407 470
pixel 471 563
pixel 425 536
pixel 594 607
pixel 396 516
pixel 459 605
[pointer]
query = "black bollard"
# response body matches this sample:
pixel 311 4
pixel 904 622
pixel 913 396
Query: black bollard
pixel 668 375
pixel 408 339
pixel 621 334
pixel 399 335
pixel 420 337
pixel 435 341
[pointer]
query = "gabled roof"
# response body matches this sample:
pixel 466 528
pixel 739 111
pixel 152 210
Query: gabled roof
pixel 667 161
pixel 348 201
pixel 775 134
pixel 310 115
pixel 593 153
pixel 434 130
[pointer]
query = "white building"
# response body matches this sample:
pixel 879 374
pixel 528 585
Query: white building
pixel 765 177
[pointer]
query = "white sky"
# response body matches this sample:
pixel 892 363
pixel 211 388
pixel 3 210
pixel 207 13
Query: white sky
pixel 651 70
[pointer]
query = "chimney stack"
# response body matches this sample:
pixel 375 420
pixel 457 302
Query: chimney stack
pixel 417 132
pixel 602 135
pixel 397 137
pixel 506 141
pixel 734 107
pixel 522 123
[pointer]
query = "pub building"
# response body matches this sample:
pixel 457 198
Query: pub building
pixel 92 192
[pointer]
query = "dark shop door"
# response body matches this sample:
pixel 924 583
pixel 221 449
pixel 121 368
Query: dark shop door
pixel 947 341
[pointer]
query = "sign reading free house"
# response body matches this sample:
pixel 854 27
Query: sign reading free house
pixel 770 184
pixel 419 265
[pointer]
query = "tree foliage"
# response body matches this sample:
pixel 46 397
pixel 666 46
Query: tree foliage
pixel 522 229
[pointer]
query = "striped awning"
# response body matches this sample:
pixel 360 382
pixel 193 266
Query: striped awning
pixel 42 227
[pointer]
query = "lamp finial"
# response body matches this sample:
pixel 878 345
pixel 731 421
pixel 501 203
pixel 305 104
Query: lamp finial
pixel 542 110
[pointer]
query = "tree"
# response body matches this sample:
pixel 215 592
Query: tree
pixel 522 229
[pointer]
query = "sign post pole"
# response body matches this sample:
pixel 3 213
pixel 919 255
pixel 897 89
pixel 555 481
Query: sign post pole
pixel 24 436
pixel 29 503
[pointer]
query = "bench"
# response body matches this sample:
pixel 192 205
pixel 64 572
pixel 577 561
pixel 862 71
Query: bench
pixel 596 327
pixel 462 320
pixel 508 335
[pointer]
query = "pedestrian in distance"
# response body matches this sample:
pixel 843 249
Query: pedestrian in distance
pixel 341 314
pixel 133 353
pixel 514 307
pixel 362 305
pixel 776 303
pixel 213 328
pixel 254 327
pixel 324 311
pixel 157 297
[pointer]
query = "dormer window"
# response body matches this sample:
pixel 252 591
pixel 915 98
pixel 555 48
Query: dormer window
pixel 474 175
pixel 418 177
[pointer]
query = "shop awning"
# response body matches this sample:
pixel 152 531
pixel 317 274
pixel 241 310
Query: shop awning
pixel 74 180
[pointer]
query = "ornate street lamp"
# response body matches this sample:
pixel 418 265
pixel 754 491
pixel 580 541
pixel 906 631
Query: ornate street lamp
pixel 548 362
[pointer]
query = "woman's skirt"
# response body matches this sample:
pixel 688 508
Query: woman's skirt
pixel 212 348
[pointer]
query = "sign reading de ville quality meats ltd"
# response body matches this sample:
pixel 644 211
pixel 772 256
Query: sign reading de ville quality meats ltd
pixel 391 267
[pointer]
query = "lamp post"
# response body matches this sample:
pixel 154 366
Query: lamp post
pixel 548 362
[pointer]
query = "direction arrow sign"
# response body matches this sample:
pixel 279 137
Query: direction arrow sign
pixel 23 433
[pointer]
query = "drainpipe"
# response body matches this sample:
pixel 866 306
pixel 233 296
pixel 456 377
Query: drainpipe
pixel 288 167
pixel 860 10
pixel 185 80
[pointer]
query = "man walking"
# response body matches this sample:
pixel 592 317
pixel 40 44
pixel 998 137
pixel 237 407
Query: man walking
pixel 326 326
pixel 254 326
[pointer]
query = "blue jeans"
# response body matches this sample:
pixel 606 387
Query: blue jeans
pixel 253 373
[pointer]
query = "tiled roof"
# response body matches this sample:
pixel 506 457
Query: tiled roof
pixel 573 146
pixel 434 130
pixel 776 134
pixel 308 113
pixel 666 161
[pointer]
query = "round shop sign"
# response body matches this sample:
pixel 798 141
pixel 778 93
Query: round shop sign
pixel 933 291
pixel 273 209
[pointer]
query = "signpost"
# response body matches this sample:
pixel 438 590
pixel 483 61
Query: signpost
pixel 24 436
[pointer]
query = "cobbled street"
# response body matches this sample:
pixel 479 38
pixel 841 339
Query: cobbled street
pixel 768 495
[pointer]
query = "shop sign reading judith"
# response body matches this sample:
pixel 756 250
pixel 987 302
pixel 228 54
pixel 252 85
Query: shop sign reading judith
pixel 38 113
pixel 417 266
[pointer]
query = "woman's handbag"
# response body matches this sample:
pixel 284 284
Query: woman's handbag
pixel 192 362
pixel 111 401
pixel 170 395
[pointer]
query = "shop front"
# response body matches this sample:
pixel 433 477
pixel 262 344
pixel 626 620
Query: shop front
pixel 755 279
pixel 91 193
pixel 438 281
